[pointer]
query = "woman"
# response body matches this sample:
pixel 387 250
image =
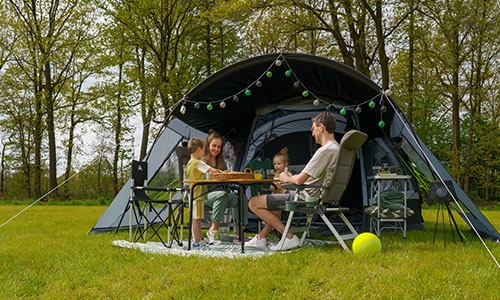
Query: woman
pixel 217 198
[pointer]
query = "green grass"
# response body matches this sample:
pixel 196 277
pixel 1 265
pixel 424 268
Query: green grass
pixel 46 253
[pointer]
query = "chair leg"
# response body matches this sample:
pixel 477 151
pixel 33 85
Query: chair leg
pixel 177 215
pixel 287 227
pixel 149 223
pixel 334 231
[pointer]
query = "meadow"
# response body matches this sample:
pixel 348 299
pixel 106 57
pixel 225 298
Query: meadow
pixel 47 253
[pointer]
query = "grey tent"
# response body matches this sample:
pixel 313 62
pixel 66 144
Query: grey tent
pixel 264 103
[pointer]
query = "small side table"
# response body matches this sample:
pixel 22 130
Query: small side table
pixel 378 223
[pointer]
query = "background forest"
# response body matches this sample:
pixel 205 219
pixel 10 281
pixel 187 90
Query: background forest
pixel 86 84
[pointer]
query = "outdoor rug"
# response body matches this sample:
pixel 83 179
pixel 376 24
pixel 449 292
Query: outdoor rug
pixel 221 249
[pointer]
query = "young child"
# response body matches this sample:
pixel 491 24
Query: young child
pixel 195 170
pixel 280 162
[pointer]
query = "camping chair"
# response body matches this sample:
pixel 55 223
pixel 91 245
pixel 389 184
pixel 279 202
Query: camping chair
pixel 182 160
pixel 330 196
pixel 152 213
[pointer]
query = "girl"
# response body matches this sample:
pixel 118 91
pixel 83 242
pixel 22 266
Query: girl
pixel 280 162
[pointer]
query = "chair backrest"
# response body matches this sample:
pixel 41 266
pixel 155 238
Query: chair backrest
pixel 139 179
pixel 139 173
pixel 342 168
pixel 182 159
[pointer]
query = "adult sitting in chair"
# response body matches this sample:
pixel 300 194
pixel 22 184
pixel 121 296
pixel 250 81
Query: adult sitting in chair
pixel 314 173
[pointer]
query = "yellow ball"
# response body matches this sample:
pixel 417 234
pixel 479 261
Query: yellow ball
pixel 366 243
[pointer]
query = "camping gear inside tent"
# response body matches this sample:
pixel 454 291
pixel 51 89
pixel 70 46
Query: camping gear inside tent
pixel 264 103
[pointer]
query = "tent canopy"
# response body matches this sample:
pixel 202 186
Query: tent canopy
pixel 264 103
pixel 329 81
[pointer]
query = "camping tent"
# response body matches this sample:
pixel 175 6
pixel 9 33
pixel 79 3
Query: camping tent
pixel 264 103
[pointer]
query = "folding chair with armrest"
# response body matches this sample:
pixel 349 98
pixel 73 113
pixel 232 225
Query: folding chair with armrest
pixel 331 194
pixel 154 214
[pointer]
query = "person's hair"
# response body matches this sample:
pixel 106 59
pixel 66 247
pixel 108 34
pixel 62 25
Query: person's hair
pixel 327 119
pixel 194 144
pixel 212 135
pixel 283 155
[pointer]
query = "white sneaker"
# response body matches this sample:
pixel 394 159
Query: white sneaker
pixel 213 237
pixel 287 244
pixel 256 243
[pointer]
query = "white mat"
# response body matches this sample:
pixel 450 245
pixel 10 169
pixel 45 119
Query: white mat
pixel 222 249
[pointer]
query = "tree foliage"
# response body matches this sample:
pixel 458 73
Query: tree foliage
pixel 85 82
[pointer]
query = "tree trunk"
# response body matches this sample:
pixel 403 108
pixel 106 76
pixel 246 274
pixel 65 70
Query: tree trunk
pixel 51 133
pixel 118 126
pixel 411 52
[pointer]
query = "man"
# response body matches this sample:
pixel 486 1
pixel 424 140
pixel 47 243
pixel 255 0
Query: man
pixel 269 207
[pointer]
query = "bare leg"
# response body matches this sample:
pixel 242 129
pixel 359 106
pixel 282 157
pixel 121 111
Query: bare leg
pixel 258 205
pixel 197 230
pixel 215 226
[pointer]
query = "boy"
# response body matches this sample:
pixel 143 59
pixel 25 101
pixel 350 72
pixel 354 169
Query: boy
pixel 195 170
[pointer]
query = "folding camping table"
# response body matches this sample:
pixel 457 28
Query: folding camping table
pixel 242 185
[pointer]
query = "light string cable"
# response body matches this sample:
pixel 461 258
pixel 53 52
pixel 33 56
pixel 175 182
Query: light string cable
pixel 279 63
pixel 442 180
pixel 58 186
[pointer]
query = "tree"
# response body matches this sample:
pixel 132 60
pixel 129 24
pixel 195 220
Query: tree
pixel 53 31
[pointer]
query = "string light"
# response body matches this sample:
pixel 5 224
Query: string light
pixel 268 74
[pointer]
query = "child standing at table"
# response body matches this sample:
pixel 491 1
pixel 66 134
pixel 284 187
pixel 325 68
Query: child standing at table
pixel 195 170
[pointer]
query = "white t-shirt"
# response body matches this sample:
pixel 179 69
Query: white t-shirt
pixel 320 164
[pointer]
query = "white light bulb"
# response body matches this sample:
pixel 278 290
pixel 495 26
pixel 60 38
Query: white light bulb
pixel 183 109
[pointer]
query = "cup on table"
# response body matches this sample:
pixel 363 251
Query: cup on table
pixel 257 176
pixel 270 174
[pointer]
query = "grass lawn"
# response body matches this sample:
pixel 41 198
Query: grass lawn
pixel 46 253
